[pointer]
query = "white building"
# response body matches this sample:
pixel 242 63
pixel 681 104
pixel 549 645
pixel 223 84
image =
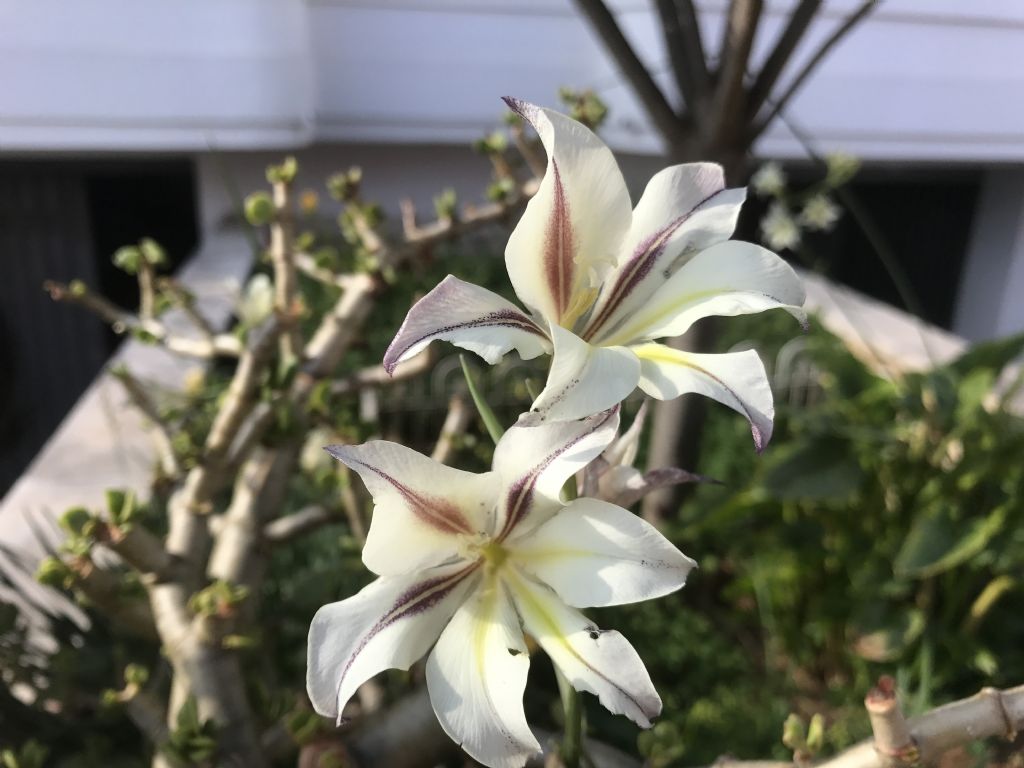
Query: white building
pixel 115 103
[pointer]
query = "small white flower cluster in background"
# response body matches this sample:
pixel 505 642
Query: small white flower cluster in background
pixel 791 212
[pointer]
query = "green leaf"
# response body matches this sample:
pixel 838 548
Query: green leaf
pixel 991 355
pixel 938 541
pixel 882 633
pixel 821 469
pixel 494 428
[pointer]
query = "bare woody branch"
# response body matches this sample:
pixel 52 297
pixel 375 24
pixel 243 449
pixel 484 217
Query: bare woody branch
pixel 299 523
pixel 377 375
pixel 657 106
pixel 456 422
pixel 282 256
pixel 729 100
pixel 105 589
pixel 811 65
pixel 796 28
pixel 681 26
pixel 162 435
pixel 122 321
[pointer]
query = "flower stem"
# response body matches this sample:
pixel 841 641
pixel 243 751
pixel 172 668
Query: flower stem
pixel 494 428
pixel 571 750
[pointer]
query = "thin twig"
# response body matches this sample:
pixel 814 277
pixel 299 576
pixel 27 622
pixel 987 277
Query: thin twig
pixel 456 422
pixel 282 256
pixel 299 523
pixel 607 28
pixel 122 321
pixel 810 66
pixel 184 300
pixel 163 437
pixel 377 375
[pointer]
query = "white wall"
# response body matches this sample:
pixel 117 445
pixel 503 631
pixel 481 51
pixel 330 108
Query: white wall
pixel 928 80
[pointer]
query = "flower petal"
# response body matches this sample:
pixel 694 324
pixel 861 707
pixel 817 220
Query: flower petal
pixel 470 317
pixel 533 463
pixel 601 662
pixel 476 676
pixel 422 509
pixel 584 379
pixel 684 209
pixel 571 229
pixel 731 278
pixel 593 553
pixel 735 379
pixel 389 624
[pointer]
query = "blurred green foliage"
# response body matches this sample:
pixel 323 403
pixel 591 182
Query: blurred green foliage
pixel 882 531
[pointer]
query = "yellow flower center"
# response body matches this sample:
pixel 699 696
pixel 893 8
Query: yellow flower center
pixel 493 554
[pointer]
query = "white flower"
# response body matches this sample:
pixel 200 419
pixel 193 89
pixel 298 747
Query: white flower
pixel 819 213
pixel 779 229
pixel 257 302
pixel 841 168
pixel 770 180
pixel 603 281
pixel 469 561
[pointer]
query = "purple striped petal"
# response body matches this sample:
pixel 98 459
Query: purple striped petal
pixel 423 511
pixel 684 209
pixel 533 463
pixel 470 317
pixel 389 624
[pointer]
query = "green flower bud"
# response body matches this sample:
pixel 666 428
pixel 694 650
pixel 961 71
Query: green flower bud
pixel 283 173
pixel 259 209
pixel 127 258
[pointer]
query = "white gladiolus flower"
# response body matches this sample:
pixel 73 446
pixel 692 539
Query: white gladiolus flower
pixel 779 229
pixel 770 180
pixel 819 213
pixel 604 280
pixel 467 562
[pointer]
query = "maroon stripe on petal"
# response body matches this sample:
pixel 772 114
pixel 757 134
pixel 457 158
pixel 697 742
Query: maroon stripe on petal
pixel 640 264
pixel 499 319
pixel 436 512
pixel 519 499
pixel 414 601
pixel 559 246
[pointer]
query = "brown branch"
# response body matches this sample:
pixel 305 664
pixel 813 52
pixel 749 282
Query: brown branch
pixel 299 523
pixel 162 436
pixel 122 321
pixel 681 26
pixel 534 161
pixel 456 422
pixel 658 108
pixel 147 289
pixel 105 589
pixel 377 375
pixel 988 713
pixel 729 100
pixel 185 301
pixel 893 742
pixel 140 549
pixel 282 256
pixel 823 50
pixel 306 263
pixel 797 26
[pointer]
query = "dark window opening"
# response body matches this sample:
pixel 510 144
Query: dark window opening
pixel 62 220
pixel 926 218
